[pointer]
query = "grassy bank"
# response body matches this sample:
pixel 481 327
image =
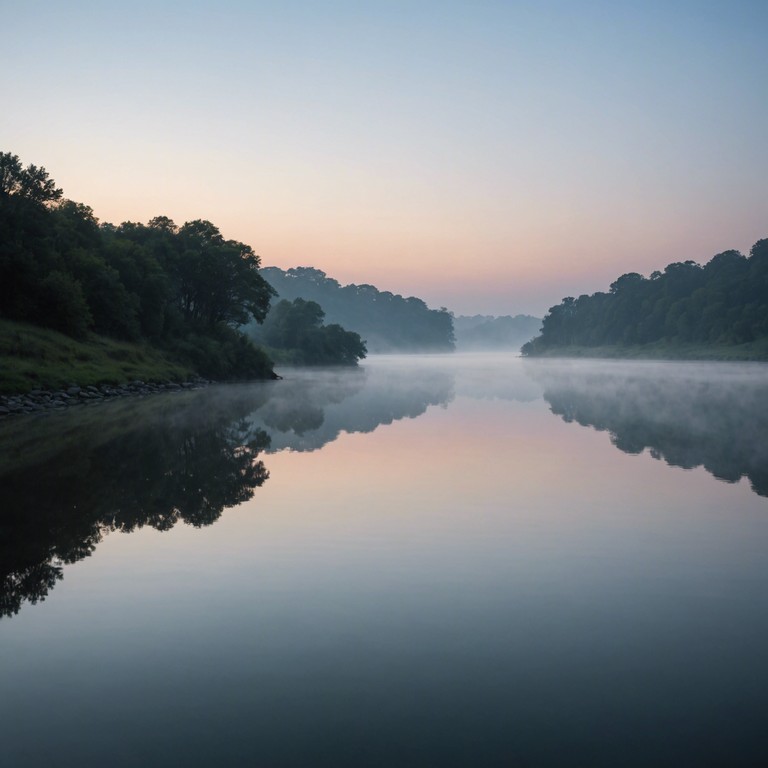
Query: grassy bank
pixel 757 350
pixel 32 357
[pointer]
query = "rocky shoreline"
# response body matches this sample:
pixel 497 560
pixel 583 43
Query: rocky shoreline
pixel 44 399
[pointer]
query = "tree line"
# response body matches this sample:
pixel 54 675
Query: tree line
pixel 294 332
pixel 185 288
pixel 386 321
pixel 723 303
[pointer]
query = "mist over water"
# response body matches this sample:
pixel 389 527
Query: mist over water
pixel 687 414
pixel 430 560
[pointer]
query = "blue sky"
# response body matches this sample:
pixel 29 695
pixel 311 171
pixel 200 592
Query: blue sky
pixel 487 156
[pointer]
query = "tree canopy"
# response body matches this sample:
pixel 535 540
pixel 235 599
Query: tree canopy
pixel 724 302
pixel 296 328
pixel 388 322
pixel 185 288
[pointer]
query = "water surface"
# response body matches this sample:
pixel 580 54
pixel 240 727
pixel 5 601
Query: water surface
pixel 459 560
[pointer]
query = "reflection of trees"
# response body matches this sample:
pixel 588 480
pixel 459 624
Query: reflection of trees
pixel 688 415
pixel 311 408
pixel 70 479
pixel 298 405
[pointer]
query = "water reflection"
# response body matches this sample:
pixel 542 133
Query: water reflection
pixel 312 408
pixel 689 415
pixel 70 478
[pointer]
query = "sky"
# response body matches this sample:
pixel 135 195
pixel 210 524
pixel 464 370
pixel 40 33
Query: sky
pixel 490 156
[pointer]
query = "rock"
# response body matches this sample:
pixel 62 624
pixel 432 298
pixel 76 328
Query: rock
pixel 73 390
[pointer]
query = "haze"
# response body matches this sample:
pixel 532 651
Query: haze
pixel 490 157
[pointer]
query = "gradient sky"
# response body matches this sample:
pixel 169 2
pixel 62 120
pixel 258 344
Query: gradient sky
pixel 491 157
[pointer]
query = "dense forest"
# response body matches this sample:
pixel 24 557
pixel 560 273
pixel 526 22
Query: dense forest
pixel 294 332
pixel 486 332
pixel 722 304
pixel 184 289
pixel 387 322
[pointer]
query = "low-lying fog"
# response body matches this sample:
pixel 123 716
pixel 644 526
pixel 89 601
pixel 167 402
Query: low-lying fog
pixel 187 456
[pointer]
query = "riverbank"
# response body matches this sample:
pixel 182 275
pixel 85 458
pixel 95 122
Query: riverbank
pixel 42 365
pixel 753 351
pixel 44 400
pixel 40 358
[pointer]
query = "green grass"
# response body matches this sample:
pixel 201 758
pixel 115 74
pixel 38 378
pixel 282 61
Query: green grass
pixel 32 357
pixel 756 350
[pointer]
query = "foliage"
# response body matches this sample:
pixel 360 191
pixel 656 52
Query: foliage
pixel 67 307
pixel 388 322
pixel 222 352
pixel 175 287
pixel 30 183
pixel 722 304
pixel 296 328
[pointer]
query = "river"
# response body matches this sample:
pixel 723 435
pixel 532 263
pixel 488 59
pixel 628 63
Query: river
pixel 468 560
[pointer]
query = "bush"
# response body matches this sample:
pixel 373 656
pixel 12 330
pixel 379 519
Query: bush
pixel 223 354
pixel 64 307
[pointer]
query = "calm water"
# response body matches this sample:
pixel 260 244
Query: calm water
pixel 466 561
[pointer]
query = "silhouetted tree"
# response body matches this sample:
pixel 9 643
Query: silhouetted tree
pixel 725 302
pixel 185 289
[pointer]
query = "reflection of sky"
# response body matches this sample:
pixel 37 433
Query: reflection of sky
pixel 414 590
pixel 437 578
pixel 491 157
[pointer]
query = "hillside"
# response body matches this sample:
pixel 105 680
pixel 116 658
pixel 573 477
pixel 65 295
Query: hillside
pixel 33 357
pixel 386 322
pixel 179 293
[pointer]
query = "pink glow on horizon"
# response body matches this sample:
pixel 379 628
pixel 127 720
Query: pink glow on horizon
pixel 491 159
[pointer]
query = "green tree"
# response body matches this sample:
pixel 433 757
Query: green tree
pixel 218 280
pixel 387 321
pixel 297 327
pixel 30 183
pixel 66 307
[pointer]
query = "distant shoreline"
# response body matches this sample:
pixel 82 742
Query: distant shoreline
pixel 753 351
